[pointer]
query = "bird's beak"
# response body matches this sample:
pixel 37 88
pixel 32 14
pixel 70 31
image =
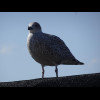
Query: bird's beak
pixel 30 28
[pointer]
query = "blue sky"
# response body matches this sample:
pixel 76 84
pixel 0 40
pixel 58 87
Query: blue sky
pixel 79 30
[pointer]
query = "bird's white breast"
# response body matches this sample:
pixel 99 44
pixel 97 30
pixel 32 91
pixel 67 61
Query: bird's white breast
pixel 30 43
pixel 34 47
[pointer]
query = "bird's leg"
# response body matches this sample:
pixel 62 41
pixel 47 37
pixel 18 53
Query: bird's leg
pixel 42 71
pixel 56 70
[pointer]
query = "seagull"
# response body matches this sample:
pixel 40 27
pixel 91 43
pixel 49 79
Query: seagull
pixel 47 49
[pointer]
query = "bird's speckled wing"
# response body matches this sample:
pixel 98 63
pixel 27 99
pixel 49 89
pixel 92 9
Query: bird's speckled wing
pixel 57 47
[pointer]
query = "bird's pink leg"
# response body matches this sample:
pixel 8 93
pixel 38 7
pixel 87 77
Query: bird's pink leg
pixel 42 71
pixel 56 70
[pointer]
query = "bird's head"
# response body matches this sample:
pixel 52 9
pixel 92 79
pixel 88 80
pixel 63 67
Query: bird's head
pixel 34 27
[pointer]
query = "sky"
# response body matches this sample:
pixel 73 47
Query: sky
pixel 79 30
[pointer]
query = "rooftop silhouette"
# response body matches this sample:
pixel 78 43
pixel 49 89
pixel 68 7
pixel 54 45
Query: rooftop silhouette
pixel 85 80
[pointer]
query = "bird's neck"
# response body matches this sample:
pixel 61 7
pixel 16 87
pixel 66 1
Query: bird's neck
pixel 35 31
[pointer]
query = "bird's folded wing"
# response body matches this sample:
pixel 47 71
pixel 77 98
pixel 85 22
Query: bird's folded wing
pixel 57 46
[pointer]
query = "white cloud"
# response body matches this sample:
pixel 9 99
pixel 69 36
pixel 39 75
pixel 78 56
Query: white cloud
pixel 4 49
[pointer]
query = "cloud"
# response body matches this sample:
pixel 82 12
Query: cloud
pixel 4 49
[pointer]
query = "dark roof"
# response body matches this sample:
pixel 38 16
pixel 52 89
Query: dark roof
pixel 85 80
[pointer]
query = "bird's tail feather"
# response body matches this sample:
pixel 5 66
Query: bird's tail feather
pixel 72 62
